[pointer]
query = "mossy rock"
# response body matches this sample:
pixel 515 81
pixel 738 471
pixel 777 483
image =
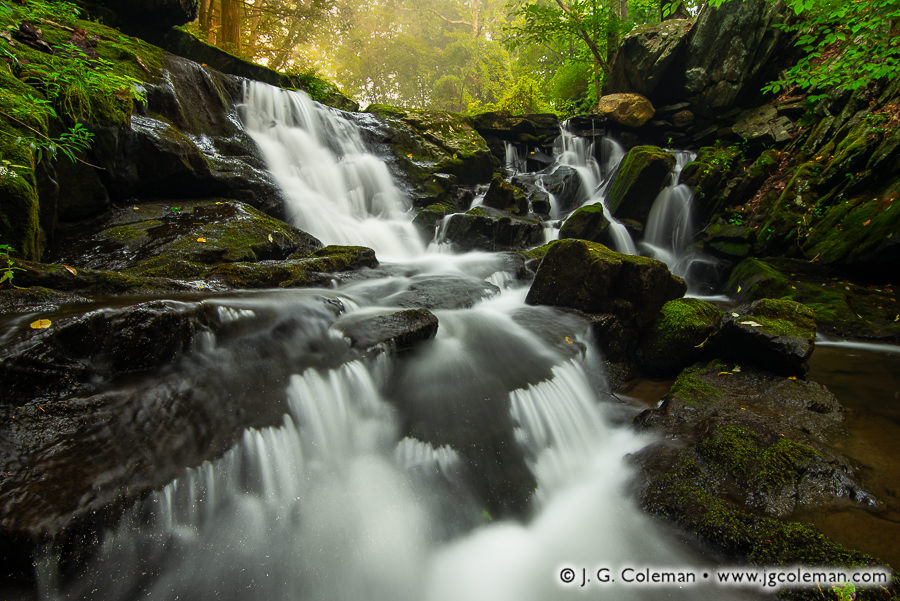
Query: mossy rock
pixel 775 334
pixel 505 196
pixel 427 219
pixel 727 241
pixel 169 239
pixel 642 175
pixel 587 223
pixel 483 228
pixel 439 142
pixel 91 282
pixel 841 307
pixel 592 278
pixel 682 332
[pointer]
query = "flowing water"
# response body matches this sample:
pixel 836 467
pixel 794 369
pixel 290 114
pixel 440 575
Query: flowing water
pixel 396 477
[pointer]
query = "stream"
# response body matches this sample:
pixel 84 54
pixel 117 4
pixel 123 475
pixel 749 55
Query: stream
pixel 404 477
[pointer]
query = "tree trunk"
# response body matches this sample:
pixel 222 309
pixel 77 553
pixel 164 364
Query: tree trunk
pixel 204 14
pixel 230 38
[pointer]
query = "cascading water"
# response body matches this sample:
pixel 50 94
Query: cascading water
pixel 577 153
pixel 333 187
pixel 670 229
pixel 342 502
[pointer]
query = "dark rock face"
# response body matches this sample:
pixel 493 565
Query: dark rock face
pixel 722 59
pixel 593 279
pixel 775 334
pixel 644 57
pixel 401 330
pixel 523 131
pixel 488 229
pixel 587 223
pixel 642 175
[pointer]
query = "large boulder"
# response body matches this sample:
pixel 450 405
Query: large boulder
pixel 642 175
pixel 630 110
pixel 505 196
pixel 592 278
pixel 483 228
pixel 645 56
pixel 563 182
pixel 775 334
pixel 732 50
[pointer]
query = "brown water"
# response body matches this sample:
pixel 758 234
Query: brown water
pixel 868 385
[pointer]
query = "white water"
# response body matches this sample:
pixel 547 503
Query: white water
pixel 578 154
pixel 338 504
pixel 333 187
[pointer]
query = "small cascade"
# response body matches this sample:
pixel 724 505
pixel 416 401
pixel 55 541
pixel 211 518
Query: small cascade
pixel 577 153
pixel 670 229
pixel 513 163
pixel 333 187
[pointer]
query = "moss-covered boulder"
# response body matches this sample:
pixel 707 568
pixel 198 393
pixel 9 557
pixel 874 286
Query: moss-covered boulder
pixel 776 334
pixel 483 228
pixel 682 333
pixel 505 196
pixel 318 269
pixel 592 278
pixel 842 307
pixel 587 223
pixel 642 175
pixel 729 241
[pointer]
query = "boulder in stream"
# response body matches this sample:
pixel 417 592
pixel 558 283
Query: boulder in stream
pixel 587 223
pixel 594 279
pixel 483 228
pixel 642 175
pixel 401 330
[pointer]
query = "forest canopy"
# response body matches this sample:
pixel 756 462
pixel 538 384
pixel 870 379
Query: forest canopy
pixel 517 55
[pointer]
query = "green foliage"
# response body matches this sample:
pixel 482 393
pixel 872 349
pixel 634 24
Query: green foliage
pixel 7 265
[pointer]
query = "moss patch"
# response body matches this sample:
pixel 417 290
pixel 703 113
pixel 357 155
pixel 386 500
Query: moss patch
pixel 692 390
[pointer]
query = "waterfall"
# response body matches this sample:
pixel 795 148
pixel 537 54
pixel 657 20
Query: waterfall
pixel 577 153
pixel 333 187
pixel 670 229
pixel 511 160
pixel 369 488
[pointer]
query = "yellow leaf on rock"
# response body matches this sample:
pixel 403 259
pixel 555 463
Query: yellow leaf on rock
pixel 41 324
pixel 271 239
pixel 71 270
pixel 201 239
pixel 569 340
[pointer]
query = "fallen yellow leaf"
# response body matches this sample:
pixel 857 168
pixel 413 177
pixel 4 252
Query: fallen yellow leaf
pixel 569 340
pixel 201 239
pixel 867 222
pixel 41 324
pixel 271 239
pixel 71 270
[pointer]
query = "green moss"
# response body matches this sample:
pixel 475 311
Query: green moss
pixel 639 179
pixel 131 231
pixel 682 319
pixel 755 464
pixel 690 388
pixel 783 318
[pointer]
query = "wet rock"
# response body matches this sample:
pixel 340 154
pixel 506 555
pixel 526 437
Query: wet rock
pixel 732 242
pixel 842 307
pixel 401 330
pixel 321 268
pixel 483 228
pixel 89 282
pixel 642 175
pixel 81 353
pixel 563 183
pixel 153 239
pixel 442 292
pixel 630 110
pixel 428 217
pixel 504 196
pixel 526 132
pixel 776 334
pixel 763 126
pixel 594 279
pixel 682 333
pixel 644 57
pixel 587 223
